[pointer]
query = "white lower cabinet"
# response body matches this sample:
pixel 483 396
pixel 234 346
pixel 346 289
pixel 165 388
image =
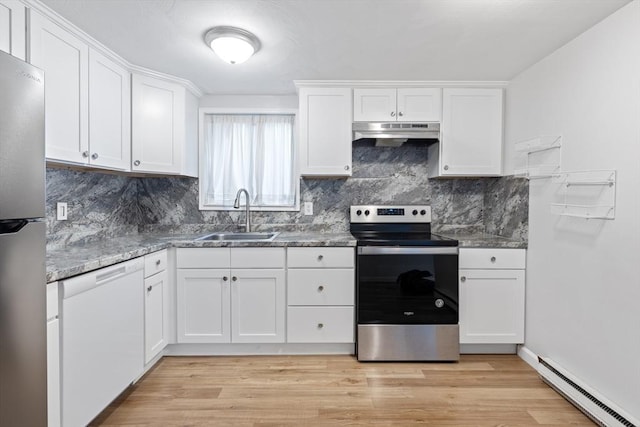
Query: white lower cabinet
pixel 233 304
pixel 53 356
pixel 492 296
pixel 321 294
pixel 156 304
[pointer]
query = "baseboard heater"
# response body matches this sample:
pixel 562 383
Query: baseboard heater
pixel 589 401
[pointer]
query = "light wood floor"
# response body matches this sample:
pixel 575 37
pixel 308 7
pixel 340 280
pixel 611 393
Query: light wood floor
pixel 337 390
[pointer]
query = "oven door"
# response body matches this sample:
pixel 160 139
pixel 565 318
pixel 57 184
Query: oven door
pixel 407 285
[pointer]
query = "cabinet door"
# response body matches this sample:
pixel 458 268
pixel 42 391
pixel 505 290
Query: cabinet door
pixel 471 132
pixel 203 306
pixel 325 131
pixel 12 28
pixel 258 306
pixel 156 307
pixel 64 59
pixel 492 306
pixel 419 105
pixel 53 356
pixel 374 105
pixel 53 373
pixel 158 125
pixel 109 113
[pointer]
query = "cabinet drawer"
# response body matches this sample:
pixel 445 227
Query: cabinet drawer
pixel 155 263
pixel 320 257
pixel 492 258
pixel 320 324
pixel 321 286
pixel 257 258
pixel 203 257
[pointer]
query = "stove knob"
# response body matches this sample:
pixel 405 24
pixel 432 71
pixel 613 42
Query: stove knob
pixel 358 212
pixel 415 212
pixel 423 212
pixel 366 212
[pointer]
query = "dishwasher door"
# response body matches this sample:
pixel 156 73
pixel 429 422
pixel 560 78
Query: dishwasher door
pixel 102 338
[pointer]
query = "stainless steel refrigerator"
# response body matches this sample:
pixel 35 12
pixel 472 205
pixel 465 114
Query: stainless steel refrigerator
pixel 23 340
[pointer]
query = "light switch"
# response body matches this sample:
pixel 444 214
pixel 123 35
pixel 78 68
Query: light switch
pixel 61 211
pixel 308 208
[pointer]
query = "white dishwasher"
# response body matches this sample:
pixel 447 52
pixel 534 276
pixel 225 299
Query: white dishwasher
pixel 102 338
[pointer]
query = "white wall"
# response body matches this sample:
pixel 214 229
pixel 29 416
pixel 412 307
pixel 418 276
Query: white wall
pixel 583 276
pixel 249 101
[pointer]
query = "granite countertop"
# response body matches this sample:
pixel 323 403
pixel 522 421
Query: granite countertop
pixel 484 240
pixel 76 259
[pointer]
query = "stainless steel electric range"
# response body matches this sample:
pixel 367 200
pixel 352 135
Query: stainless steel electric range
pixel 406 286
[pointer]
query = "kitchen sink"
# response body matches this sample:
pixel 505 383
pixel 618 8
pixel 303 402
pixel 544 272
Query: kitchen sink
pixel 263 237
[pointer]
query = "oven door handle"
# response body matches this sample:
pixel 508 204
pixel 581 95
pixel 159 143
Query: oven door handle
pixel 395 250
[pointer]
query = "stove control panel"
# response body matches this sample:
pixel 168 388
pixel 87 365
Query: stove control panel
pixel 396 214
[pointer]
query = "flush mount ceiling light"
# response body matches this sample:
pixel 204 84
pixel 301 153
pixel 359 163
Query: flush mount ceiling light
pixel 231 44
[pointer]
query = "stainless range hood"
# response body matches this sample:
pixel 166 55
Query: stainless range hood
pixel 394 134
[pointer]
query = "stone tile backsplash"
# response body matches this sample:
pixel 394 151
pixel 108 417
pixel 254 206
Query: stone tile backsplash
pixel 103 205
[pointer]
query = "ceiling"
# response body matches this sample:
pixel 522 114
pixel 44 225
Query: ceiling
pixel 337 39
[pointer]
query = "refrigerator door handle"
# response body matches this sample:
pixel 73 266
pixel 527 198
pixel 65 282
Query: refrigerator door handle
pixel 12 226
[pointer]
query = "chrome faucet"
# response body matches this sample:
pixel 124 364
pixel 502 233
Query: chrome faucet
pixel 236 205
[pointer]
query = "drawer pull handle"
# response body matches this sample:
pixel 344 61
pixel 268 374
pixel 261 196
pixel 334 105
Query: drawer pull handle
pixel 320 325
pixel 150 288
pixel 158 262
pixel 463 279
pixel 320 288
pixel 493 259
pixel 225 279
pixel 320 257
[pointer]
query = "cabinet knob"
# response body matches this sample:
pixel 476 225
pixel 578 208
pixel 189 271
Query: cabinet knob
pixel 400 114
pixel 225 279
pixel 493 259
pixel 136 163
pixel 320 288
pixel 85 154
pixel 149 289
pixel 157 262
pixel 320 257
pixel 393 114
pixel 463 279
pixel 234 278
pixel 320 325
pixel 446 167
pixel 94 156
pixel 346 167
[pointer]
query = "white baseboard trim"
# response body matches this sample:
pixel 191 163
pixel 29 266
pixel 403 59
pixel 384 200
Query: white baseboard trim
pixel 257 349
pixel 528 356
pixel 487 348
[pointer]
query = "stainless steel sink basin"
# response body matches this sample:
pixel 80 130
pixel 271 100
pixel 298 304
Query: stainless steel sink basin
pixel 262 237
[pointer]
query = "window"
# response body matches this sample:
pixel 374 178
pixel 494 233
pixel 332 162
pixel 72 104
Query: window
pixel 251 151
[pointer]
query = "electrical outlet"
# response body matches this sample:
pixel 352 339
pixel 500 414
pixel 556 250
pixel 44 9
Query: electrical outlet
pixel 308 208
pixel 61 211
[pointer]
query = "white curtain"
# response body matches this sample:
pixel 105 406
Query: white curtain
pixel 248 151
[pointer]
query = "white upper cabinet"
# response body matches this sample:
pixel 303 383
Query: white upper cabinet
pixel 325 131
pixel 402 105
pixel 97 114
pixel 109 113
pixel 12 28
pixel 64 59
pixel 164 121
pixel 374 105
pixel 470 134
pixel 87 99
